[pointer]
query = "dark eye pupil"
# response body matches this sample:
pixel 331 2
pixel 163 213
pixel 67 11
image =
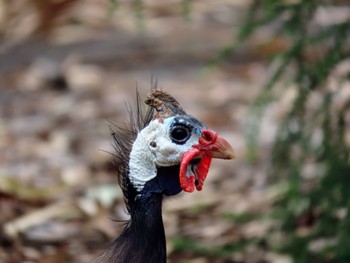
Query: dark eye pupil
pixel 180 134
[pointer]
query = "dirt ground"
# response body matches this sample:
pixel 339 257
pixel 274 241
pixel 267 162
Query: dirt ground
pixel 61 87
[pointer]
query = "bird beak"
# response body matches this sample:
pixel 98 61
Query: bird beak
pixel 212 145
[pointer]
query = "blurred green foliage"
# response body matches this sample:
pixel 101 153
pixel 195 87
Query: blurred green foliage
pixel 222 252
pixel 314 210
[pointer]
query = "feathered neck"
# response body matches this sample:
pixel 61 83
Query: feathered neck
pixel 143 239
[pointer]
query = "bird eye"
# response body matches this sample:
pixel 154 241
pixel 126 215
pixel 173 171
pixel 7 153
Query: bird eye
pixel 180 134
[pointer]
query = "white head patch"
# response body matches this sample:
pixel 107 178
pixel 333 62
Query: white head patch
pixel 153 147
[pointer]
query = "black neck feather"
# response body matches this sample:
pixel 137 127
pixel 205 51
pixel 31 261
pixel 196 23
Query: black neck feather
pixel 143 239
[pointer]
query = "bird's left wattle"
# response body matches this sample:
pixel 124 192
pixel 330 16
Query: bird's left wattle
pixel 196 161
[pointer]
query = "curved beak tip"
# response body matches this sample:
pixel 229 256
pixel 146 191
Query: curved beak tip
pixel 226 153
pixel 231 155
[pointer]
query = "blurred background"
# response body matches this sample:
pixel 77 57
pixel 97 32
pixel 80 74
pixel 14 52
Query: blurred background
pixel 272 77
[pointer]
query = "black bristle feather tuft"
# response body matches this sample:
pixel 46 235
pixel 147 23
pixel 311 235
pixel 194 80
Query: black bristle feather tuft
pixel 123 137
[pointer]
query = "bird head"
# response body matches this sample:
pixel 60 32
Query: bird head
pixel 174 141
pixel 161 153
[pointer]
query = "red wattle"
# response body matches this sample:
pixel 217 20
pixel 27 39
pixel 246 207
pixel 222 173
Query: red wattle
pixel 187 183
pixel 202 171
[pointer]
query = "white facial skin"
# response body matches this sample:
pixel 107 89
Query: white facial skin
pixel 153 147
